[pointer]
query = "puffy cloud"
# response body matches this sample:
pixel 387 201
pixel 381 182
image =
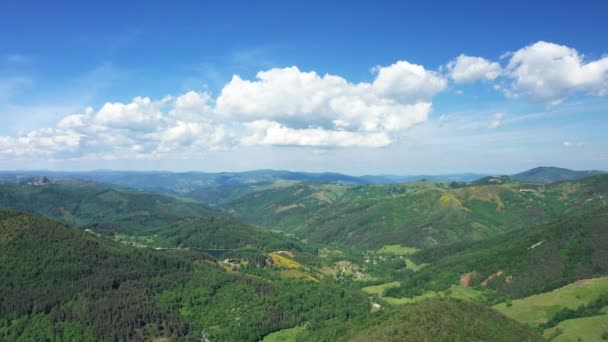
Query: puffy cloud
pixel 282 106
pixel 47 141
pixel 407 83
pixel 550 72
pixel 497 120
pixel 273 133
pixel 193 106
pixel 142 128
pixel 141 114
pixel 400 95
pixel 468 69
pixel 543 71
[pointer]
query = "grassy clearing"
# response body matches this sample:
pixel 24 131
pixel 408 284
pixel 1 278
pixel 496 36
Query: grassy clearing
pixel 285 335
pixel 397 250
pixel 379 289
pixel 413 266
pixel 539 309
pixel 139 241
pixel 284 262
pixel 579 329
pixel 455 291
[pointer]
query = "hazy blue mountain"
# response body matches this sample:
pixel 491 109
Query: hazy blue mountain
pixel 182 182
pixel 392 179
pixel 546 175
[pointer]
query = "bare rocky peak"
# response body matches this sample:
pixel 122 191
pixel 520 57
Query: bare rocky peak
pixel 38 181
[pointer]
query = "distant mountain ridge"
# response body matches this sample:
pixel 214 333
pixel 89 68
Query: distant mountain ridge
pixel 186 182
pixel 183 182
pixel 547 175
pixel 165 221
pixel 422 214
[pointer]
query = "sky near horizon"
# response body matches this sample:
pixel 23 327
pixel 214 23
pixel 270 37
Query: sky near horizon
pixel 355 87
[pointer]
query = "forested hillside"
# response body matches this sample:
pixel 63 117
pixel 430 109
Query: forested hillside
pixel 521 263
pixel 58 284
pixel 423 214
pixel 433 320
pixel 547 175
pixel 141 217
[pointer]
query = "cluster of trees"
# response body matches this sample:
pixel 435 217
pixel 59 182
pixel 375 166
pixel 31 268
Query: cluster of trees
pixel 591 309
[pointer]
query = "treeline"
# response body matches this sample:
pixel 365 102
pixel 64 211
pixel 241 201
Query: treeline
pixel 592 309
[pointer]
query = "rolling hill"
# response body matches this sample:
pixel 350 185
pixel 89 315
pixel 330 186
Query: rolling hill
pixel 152 219
pixel 182 182
pixel 547 175
pixel 521 263
pixel 431 320
pixel 58 283
pixel 422 214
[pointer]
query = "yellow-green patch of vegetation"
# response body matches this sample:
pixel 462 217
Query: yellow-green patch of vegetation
pixel 285 335
pixel 413 266
pixel 321 197
pixel 464 293
pixel 579 329
pixel 447 200
pixel 326 253
pixel 297 274
pixel 379 289
pixel 487 193
pixel 397 250
pixel 346 268
pixel 283 261
pixel 539 309
pixel 454 291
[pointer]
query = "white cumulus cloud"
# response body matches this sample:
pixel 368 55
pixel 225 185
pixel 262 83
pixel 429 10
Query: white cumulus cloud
pixel 550 72
pixel 468 69
pixel 273 133
pixel 282 106
pixel 398 98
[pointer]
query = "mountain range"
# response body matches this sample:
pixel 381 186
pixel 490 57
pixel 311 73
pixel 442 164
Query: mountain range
pixel 185 182
pixel 275 255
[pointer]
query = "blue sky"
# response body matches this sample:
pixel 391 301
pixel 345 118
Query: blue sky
pixel 365 87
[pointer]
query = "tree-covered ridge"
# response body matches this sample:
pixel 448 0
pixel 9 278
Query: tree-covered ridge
pixel 159 220
pixel 430 320
pixel 520 263
pixel 56 276
pixel 60 283
pixel 424 214
pixel 547 175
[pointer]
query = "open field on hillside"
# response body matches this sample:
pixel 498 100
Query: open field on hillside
pixel 579 329
pixel 455 291
pixel 413 266
pixel 397 250
pixel 379 289
pixel 538 309
pixel 285 335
